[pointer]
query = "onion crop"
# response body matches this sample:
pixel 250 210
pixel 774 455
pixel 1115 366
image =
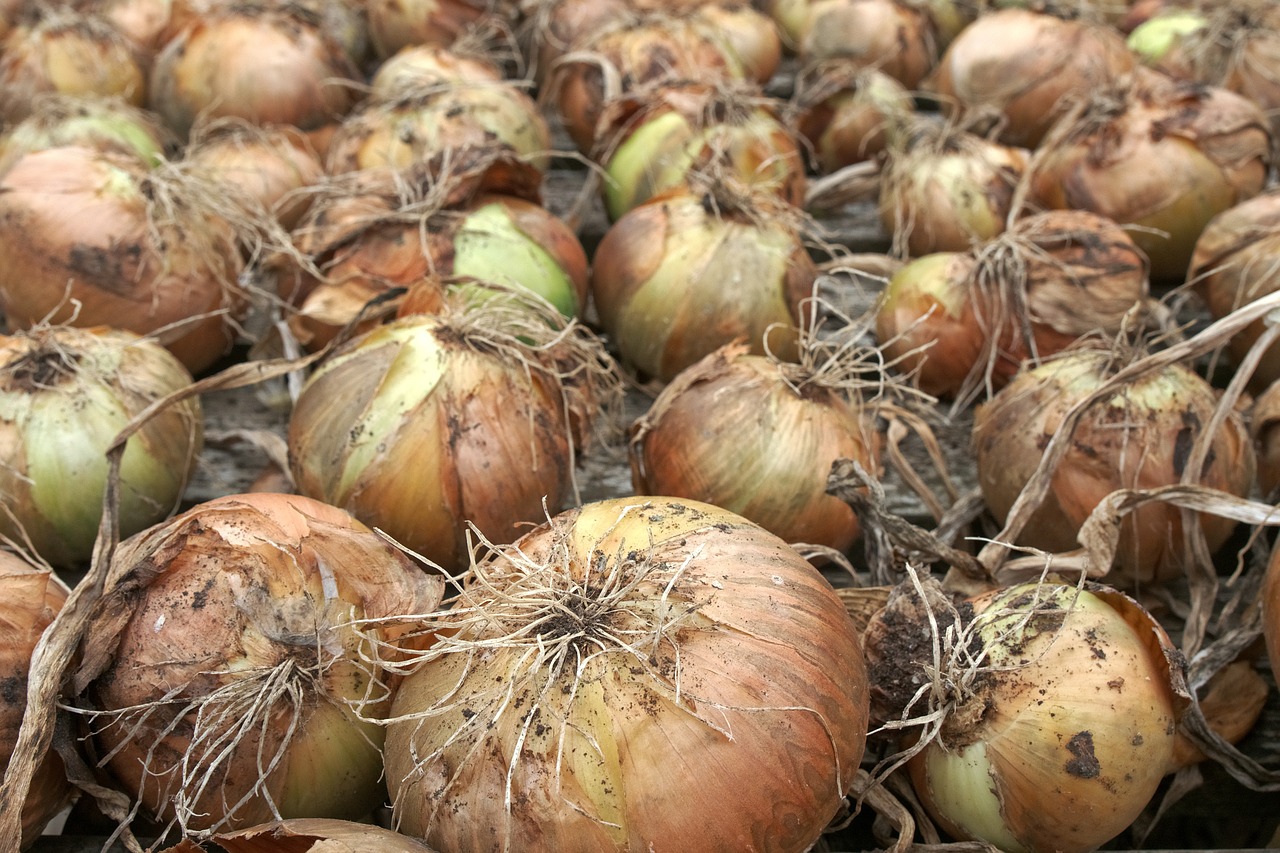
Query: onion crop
pixel 64 395
pixel 93 121
pixel 894 37
pixel 635 674
pixel 848 114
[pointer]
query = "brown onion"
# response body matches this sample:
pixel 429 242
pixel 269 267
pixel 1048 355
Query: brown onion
pixel 848 114
pixel 423 66
pixel 95 238
pixel 756 437
pixel 1028 67
pixel 226 680
pixel 93 121
pixel 64 395
pixel 692 270
pixel 894 37
pixel 1213 147
pixel 632 674
pixel 396 24
pixel 1139 437
pixel 750 35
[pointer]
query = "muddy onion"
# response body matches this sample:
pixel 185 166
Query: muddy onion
pixel 1139 437
pixel 756 437
pixel 688 272
pixel 30 597
pixel 849 115
pixel 1061 708
pixel 96 238
pixel 224 681
pixel 431 422
pixel 635 674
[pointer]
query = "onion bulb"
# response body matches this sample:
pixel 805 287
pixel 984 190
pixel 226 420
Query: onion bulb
pixel 848 114
pixel 396 24
pixel 1264 428
pixel 430 423
pixel 960 323
pixel 1028 67
pixel 67 53
pixel 692 270
pixel 422 66
pixel 95 238
pixel 1139 437
pixel 635 674
pixel 30 596
pixel 93 121
pixel 757 437
pixel 1213 147
pixel 64 394
pixel 1057 705
pixel 650 140
pixel 225 681
pixel 894 37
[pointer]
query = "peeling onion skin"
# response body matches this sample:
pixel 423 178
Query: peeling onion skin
pixel 64 395
pixel 1139 438
pixel 30 597
pixel 1062 752
pixel 730 431
pixel 231 588
pixel 769 654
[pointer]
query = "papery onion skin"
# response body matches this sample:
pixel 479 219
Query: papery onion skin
pixel 1066 740
pixel 1140 437
pixel 64 395
pixel 730 431
pixel 766 657
pixel 30 597
pixel 300 835
pixel 679 277
pixel 233 591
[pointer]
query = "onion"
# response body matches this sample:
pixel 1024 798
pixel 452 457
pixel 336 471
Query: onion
pixel 225 680
pixel 273 63
pixel 64 395
pixel 749 34
pixel 431 422
pixel 321 835
pixel 427 121
pixel 960 323
pixel 423 66
pixel 1057 709
pixel 1028 67
pixel 1212 146
pixel 848 114
pixel 1234 263
pixel 93 238
pixel 944 189
pixel 30 596
pixel 147 24
pixel 895 37
pixel 1264 418
pixel 93 121
pixel 396 24
pixel 690 271
pixel 653 138
pixel 757 437
pixel 632 675
pixel 64 52
pixel 1139 437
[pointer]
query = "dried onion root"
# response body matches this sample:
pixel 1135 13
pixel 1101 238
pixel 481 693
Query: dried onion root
pixel 632 673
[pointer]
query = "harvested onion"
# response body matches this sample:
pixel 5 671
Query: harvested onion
pixel 894 37
pixel 396 24
pixel 632 675
pixel 64 394
pixel 225 681
pixel 848 114
pixel 93 121
pixel 423 66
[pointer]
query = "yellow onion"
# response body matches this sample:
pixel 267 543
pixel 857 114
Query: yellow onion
pixel 1234 263
pixel 374 231
pixel 395 24
pixel 1264 418
pixel 756 437
pixel 1139 437
pixel 64 394
pixel 1058 709
pixel 96 238
pixel 430 423
pixel 635 51
pixel 67 53
pixel 416 125
pixel 962 322
pixel 322 835
pixel 652 139
pixel 848 114
pixel 750 35
pixel 635 674
pixel 147 24
pixel 270 166
pixel 94 121
pixel 273 63
pixel 689 271
pixel 30 596
pixel 944 189
pixel 422 66
pixel 1213 147
pixel 895 37
pixel 224 680
pixel 1028 67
